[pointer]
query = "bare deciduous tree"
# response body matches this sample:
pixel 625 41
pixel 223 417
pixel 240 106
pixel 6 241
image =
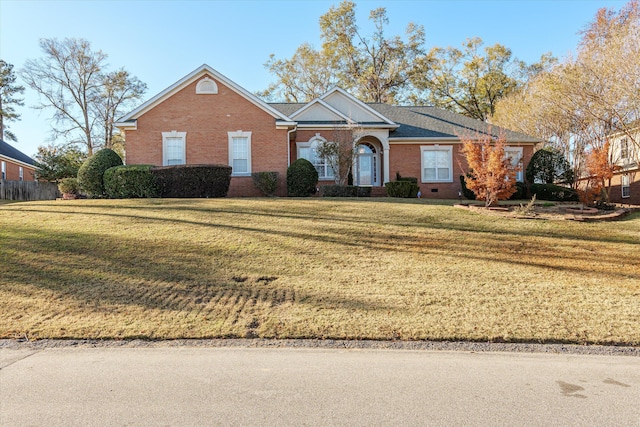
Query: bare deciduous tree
pixel 85 100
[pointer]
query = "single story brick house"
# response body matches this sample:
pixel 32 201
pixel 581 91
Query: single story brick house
pixel 205 118
pixel 15 165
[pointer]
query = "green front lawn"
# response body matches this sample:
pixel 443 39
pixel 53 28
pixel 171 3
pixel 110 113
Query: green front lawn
pixel 313 268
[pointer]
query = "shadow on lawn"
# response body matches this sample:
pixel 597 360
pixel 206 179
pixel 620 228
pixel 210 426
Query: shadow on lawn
pixel 102 273
pixel 493 245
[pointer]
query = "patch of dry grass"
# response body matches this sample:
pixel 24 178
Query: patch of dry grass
pixel 313 268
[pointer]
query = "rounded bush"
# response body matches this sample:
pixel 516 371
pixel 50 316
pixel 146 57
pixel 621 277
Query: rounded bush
pixel 404 189
pixel 548 166
pixel 91 173
pixel 553 193
pixel 128 182
pixel 267 182
pixel 69 186
pixel 302 178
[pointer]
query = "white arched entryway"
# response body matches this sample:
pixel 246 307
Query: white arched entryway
pixel 367 164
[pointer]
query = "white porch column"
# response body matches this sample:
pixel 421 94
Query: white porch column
pixel 385 160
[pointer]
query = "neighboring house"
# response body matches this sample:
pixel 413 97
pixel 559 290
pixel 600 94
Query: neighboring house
pixel 15 165
pixel 205 118
pixel 625 155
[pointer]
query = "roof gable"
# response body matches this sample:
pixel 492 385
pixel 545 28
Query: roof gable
pixel 352 107
pixel 318 111
pixel 198 73
pixel 9 152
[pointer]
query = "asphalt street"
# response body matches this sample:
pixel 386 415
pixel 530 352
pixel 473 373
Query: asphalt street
pixel 189 386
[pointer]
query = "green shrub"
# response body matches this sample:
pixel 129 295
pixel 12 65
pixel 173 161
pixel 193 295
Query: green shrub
pixel 408 179
pixel 553 192
pixel 405 189
pixel 69 186
pixel 521 192
pixel 302 178
pixel 267 182
pixel 193 180
pixel 468 194
pixel 91 173
pixel 127 182
pixel 548 166
pixel 344 191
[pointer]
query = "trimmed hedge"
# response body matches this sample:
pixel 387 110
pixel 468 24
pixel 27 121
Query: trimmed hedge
pixel 405 189
pixel 267 182
pixel 193 180
pixel 344 191
pixel 521 192
pixel 90 174
pixel 302 178
pixel 69 186
pixel 128 182
pixel 408 179
pixel 554 193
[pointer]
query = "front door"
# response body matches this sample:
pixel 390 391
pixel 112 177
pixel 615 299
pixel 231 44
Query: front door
pixel 367 166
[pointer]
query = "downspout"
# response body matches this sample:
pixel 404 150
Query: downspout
pixel 289 144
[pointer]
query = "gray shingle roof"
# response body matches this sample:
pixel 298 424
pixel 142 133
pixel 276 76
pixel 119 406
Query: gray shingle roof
pixel 13 153
pixel 426 122
pixel 432 122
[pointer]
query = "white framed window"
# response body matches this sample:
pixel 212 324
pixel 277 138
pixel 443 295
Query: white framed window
pixel 514 154
pixel 437 163
pixel 307 150
pixel 21 173
pixel 174 146
pixel 624 149
pixel 206 86
pixel 4 170
pixel 624 185
pixel 240 153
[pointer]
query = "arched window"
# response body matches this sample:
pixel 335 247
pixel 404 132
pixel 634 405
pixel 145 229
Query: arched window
pixel 307 150
pixel 206 86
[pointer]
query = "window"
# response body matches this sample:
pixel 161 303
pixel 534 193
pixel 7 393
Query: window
pixel 307 150
pixel 515 155
pixel 624 184
pixel 4 170
pixel 21 173
pixel 437 164
pixel 240 153
pixel 206 86
pixel 624 148
pixel 174 148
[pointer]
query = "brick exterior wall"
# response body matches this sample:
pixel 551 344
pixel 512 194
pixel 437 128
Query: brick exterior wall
pixel 405 159
pixel 207 119
pixel 615 191
pixel 13 171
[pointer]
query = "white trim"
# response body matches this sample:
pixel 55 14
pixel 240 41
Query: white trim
pixel 436 148
pixel 627 186
pixel 204 87
pixel 17 162
pixel 520 173
pixel 174 134
pixel 203 70
pixel 3 170
pixel 317 138
pixel 240 134
pixel 320 126
pixel 447 140
pixel 130 125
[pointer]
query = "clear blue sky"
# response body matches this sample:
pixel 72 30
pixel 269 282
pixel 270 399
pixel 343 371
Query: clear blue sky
pixel 162 41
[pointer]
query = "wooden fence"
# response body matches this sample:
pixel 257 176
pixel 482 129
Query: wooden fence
pixel 28 190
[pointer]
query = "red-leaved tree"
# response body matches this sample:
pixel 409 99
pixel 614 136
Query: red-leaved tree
pixel 491 176
pixel 599 170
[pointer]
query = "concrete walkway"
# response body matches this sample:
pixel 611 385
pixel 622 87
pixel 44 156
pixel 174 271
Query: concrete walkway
pixel 189 386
